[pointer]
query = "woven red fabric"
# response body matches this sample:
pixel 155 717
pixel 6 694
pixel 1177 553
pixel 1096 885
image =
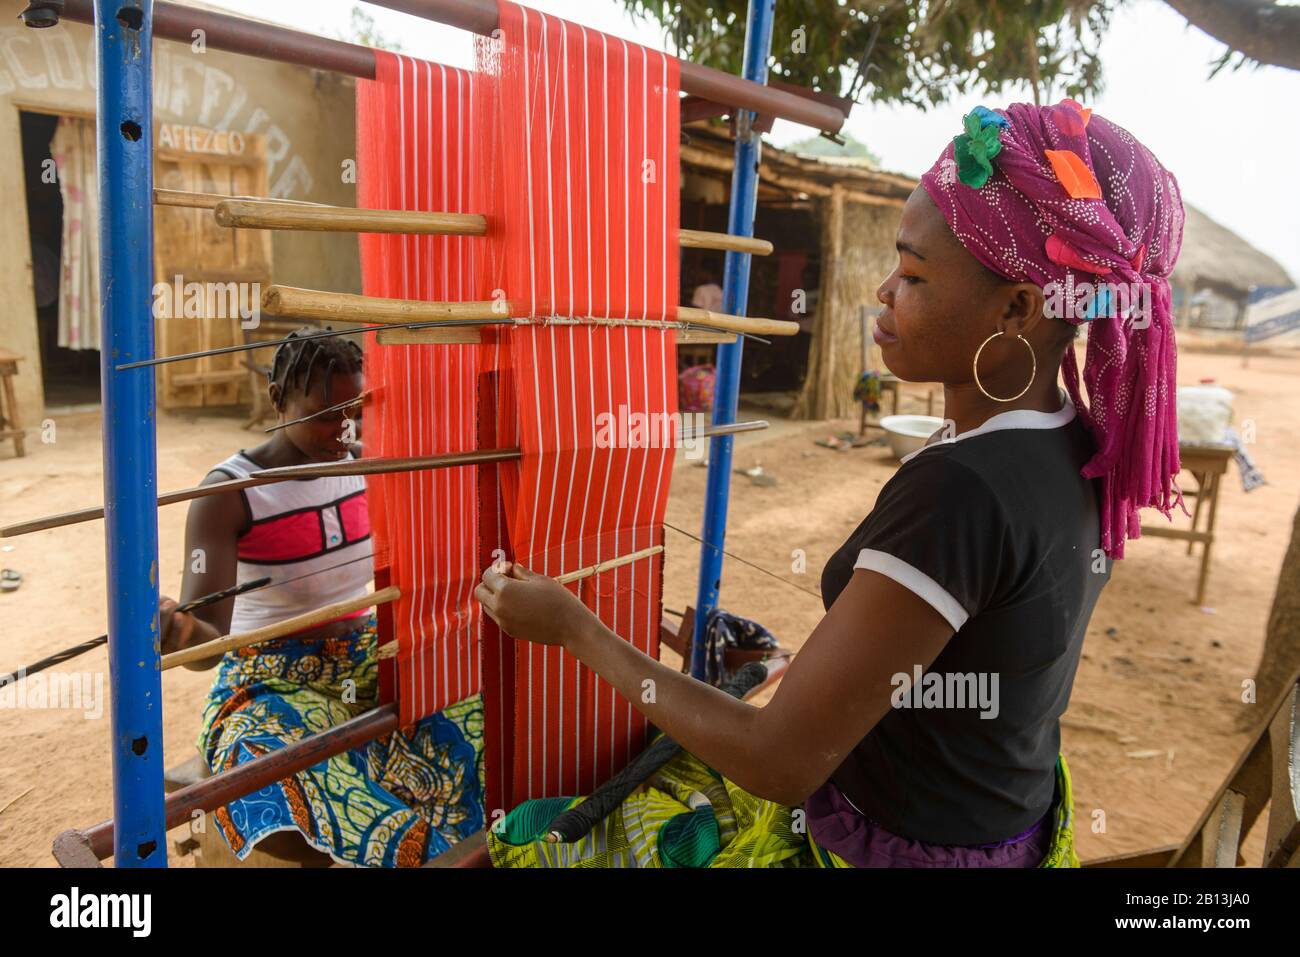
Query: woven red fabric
pixel 416 151
pixel 568 140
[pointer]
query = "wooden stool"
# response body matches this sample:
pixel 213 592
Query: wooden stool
pixel 10 423
pixel 207 845
pixel 892 384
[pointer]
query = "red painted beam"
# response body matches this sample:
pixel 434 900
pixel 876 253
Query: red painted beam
pixel 223 31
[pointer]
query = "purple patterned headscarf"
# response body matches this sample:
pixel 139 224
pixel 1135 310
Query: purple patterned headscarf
pixel 1059 197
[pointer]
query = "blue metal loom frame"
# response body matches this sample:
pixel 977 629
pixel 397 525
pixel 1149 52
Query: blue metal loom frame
pixel 124 38
pixel 735 298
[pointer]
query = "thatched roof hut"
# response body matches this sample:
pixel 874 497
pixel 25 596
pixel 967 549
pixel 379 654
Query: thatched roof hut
pixel 1216 272
pixel 833 221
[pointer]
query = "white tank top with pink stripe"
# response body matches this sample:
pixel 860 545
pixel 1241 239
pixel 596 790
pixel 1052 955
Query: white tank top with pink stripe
pixel 308 527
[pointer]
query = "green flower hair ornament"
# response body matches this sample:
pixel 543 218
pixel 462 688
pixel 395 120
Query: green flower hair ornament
pixel 975 149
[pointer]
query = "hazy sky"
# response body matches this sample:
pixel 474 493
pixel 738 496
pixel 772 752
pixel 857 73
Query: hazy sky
pixel 1228 140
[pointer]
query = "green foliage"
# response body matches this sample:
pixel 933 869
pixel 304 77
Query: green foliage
pixel 362 30
pixel 919 52
pixel 823 146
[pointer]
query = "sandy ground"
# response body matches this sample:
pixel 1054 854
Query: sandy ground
pixel 1151 730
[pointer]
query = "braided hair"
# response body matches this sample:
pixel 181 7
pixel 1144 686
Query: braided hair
pixel 296 359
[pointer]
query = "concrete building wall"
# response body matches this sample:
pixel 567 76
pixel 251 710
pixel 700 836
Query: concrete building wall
pixel 307 117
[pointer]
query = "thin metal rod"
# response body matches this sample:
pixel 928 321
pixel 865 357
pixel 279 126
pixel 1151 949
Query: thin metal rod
pixel 336 407
pixel 124 130
pixel 187 199
pixel 362 466
pixel 67 654
pixel 270 476
pixel 387 327
pixel 175 21
pixel 250 346
pixel 740 222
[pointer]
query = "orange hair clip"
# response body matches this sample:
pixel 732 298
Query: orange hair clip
pixel 1073 174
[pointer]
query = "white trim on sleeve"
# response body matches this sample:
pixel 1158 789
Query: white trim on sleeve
pixel 915 581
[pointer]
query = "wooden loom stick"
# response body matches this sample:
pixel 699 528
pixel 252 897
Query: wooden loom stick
pixel 257 215
pixel 210 649
pixel 362 466
pixel 698 239
pixel 290 301
pixel 580 573
pixel 390 650
pixel 253 212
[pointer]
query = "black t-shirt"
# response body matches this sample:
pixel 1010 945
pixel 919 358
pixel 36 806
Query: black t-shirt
pixel 998 532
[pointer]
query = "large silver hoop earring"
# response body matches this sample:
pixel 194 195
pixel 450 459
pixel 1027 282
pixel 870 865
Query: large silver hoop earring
pixel 975 368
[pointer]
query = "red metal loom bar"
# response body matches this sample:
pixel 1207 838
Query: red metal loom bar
pixel 174 21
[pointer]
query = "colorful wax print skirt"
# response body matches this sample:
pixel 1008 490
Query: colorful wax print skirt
pixel 688 815
pixel 394 802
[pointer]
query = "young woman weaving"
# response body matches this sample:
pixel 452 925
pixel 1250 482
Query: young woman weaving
pixel 983 556
pixel 393 802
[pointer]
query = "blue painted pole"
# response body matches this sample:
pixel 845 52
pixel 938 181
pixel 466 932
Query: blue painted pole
pixel 124 36
pixel 735 297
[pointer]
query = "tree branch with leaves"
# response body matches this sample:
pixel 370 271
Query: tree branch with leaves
pixel 925 52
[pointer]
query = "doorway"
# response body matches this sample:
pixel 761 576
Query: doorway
pixel 70 377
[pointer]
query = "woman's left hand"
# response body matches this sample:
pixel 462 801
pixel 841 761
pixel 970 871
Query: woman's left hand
pixel 530 606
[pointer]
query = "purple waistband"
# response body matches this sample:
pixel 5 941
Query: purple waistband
pixel 836 825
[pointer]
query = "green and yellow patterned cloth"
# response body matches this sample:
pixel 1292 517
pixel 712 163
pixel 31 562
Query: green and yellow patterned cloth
pixel 688 815
pixel 395 802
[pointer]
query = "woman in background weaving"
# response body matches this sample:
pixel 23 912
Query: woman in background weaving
pixel 982 558
pixel 397 801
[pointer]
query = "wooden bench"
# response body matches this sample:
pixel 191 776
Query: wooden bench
pixel 1266 775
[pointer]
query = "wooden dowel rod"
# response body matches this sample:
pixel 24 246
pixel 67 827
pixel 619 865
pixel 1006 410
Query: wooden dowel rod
pixel 256 214
pixel 284 301
pixel 697 239
pixel 290 301
pixel 751 324
pixel 262 212
pixel 362 466
pixel 211 649
pixel 590 570
pixel 390 650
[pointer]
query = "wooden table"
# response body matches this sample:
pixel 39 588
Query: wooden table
pixel 1208 464
pixel 891 383
pixel 10 424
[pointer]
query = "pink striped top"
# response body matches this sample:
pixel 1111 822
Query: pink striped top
pixel 311 527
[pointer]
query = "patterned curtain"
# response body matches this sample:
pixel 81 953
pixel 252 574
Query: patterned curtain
pixel 73 149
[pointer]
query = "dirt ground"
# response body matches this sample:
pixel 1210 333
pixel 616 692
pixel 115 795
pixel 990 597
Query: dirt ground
pixel 1152 726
